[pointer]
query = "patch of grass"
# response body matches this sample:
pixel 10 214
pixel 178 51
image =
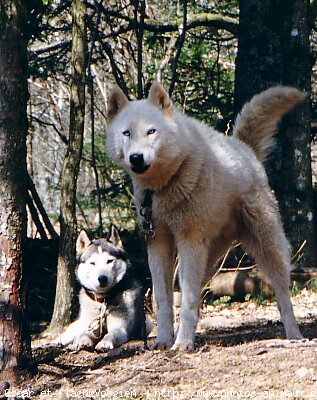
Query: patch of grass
pixel 247 297
pixel 297 287
pixel 312 285
pixel 222 300
pixel 259 298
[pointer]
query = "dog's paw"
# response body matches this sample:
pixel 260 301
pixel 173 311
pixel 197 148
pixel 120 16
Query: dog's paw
pixel 63 340
pixel 162 345
pixel 80 343
pixel 163 341
pixel 187 345
pixel 104 344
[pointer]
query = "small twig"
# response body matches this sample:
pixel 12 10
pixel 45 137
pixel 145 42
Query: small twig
pixel 222 263
pixel 60 134
pixel 82 213
pixel 124 380
pixel 240 261
pixel 102 91
pixel 297 255
pixel 117 73
pixel 166 59
pixel 217 272
pixel 176 268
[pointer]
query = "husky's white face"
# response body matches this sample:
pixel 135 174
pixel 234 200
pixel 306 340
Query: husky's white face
pixel 101 266
pixel 142 135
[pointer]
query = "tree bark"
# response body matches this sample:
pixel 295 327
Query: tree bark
pixel 67 254
pixel 15 349
pixel 274 49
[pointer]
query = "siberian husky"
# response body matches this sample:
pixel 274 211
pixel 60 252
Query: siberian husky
pixel 111 298
pixel 196 192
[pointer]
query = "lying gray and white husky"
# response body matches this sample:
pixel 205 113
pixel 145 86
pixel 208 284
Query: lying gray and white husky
pixel 111 297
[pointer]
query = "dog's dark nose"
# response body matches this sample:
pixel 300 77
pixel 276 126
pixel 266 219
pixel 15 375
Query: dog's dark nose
pixel 137 160
pixel 103 280
pixel 138 164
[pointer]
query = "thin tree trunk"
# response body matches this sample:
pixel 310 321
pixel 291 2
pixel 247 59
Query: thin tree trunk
pixel 92 122
pixel 139 7
pixel 67 254
pixel 180 42
pixel 15 349
pixel 274 49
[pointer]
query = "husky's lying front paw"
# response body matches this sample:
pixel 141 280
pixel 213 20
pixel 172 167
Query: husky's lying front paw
pixel 82 342
pixel 104 344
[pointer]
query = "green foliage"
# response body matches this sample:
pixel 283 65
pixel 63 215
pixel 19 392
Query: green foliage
pixel 115 188
pixel 259 298
pixel 222 300
pixel 310 285
pixel 247 297
pixel 204 80
pixel 205 74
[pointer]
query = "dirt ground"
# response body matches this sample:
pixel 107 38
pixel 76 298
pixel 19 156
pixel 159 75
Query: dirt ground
pixel 240 354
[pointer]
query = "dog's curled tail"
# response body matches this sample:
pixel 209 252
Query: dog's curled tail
pixel 257 122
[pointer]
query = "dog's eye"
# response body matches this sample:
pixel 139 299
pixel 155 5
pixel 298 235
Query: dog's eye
pixel 109 261
pixel 92 263
pixel 126 133
pixel 151 131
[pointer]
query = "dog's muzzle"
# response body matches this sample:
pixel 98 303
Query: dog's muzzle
pixel 137 163
pixel 103 281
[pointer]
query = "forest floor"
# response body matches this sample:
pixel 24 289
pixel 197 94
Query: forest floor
pixel 239 354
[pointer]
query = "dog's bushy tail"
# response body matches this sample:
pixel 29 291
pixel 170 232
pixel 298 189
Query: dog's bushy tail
pixel 257 122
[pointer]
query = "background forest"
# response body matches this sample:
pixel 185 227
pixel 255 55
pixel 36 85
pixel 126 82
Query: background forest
pixel 130 43
pixel 191 47
pixel 198 70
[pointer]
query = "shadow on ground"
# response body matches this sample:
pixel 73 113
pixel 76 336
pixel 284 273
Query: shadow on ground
pixel 251 332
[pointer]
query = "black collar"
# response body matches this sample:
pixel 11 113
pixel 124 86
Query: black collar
pixel 94 297
pixel 146 214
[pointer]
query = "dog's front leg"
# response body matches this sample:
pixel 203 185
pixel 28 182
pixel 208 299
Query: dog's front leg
pixel 118 333
pixel 192 266
pixel 161 261
pixel 76 336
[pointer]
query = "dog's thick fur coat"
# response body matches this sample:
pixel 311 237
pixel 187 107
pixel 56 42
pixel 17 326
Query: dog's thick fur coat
pixel 208 191
pixel 111 297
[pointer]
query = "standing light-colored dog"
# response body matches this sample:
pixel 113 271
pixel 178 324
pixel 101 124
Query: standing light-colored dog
pixel 207 190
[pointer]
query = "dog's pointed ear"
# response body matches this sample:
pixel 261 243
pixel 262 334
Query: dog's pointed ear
pixel 82 242
pixel 160 98
pixel 116 102
pixel 114 236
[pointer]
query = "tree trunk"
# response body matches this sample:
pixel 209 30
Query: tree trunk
pixel 67 255
pixel 274 49
pixel 15 349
